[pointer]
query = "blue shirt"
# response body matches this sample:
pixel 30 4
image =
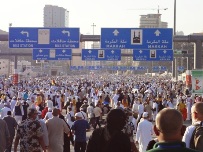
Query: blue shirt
pixel 80 126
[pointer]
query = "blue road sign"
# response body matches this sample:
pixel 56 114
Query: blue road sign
pixel 155 68
pixel 132 68
pixel 73 68
pixel 52 54
pixel 24 37
pixel 153 55
pixel 136 38
pixel 80 67
pixel 163 68
pixel 123 68
pixel 101 54
pixel 141 68
pixel 159 68
pixel 181 68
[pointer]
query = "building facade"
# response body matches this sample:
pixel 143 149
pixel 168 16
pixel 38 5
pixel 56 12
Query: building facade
pixel 55 16
pixel 152 21
pixel 4 67
pixel 7 67
pixel 77 60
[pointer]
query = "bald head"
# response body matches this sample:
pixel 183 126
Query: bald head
pixel 197 112
pixel 169 121
pixel 198 107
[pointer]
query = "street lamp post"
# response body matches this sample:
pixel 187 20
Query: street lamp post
pixel 174 70
pixel 9 59
pixel 93 25
pixel 174 26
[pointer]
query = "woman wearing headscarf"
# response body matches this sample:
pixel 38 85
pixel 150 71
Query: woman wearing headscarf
pixel 110 138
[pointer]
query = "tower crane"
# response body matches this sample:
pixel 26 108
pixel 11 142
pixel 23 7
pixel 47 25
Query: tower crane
pixel 158 9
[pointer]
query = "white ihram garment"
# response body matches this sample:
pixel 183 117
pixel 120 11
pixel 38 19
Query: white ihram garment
pixel 140 110
pixel 144 134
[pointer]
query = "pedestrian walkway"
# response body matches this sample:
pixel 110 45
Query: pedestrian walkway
pixel 187 123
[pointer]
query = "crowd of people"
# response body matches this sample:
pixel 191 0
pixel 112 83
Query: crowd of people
pixel 53 113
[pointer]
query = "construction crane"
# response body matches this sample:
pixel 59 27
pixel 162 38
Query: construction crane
pixel 158 9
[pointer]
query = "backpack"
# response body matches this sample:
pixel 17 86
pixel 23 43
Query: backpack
pixel 97 142
pixel 128 129
pixel 196 141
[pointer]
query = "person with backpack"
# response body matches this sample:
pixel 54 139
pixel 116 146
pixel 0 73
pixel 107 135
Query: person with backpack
pixel 193 136
pixel 111 137
pixel 79 129
pixel 129 129
pixel 169 130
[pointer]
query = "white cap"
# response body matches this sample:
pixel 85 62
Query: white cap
pixel 145 114
pixel 79 114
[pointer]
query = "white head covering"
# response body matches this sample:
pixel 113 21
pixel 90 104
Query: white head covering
pixel 145 114
pixel 79 114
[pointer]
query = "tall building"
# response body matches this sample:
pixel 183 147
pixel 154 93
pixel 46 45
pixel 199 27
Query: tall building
pixel 55 16
pixel 152 21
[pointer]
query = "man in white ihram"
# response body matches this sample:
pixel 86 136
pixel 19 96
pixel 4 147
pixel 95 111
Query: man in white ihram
pixel 140 110
pixel 144 132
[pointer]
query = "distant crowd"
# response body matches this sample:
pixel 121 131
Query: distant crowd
pixel 53 113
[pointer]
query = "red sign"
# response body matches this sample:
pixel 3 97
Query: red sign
pixel 15 78
pixel 188 80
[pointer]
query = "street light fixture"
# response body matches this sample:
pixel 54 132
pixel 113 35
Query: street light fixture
pixel 93 25
pixel 174 26
pixel 174 66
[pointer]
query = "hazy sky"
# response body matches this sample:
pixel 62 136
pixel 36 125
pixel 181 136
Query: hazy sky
pixel 104 13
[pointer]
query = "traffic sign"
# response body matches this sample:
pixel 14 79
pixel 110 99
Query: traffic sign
pixel 80 67
pixel 137 38
pixel 73 68
pixel 25 37
pixel 141 68
pixel 101 54
pixel 159 68
pixel 153 55
pixel 52 54
pixel 181 68
pixel 123 68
